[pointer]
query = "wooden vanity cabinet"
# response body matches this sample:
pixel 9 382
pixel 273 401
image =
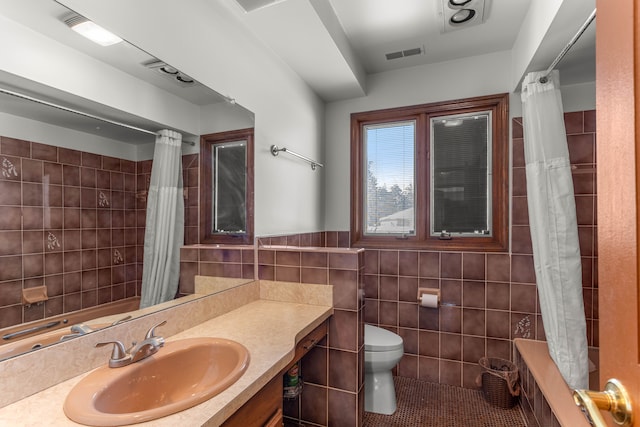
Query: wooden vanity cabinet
pixel 265 408
pixel 261 410
pixel 307 343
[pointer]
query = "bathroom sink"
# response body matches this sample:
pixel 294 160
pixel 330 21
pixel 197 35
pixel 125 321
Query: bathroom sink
pixel 180 375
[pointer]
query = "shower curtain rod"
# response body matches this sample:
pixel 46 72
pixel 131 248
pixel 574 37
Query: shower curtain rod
pixel 564 51
pixel 81 113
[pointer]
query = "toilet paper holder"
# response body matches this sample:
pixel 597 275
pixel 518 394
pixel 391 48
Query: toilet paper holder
pixel 429 291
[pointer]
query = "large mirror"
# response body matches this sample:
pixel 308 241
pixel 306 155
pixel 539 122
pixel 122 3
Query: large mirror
pixel 73 185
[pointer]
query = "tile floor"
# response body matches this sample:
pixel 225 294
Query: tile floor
pixel 426 404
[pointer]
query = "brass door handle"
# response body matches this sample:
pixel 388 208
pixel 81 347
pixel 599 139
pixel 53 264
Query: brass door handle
pixel 614 399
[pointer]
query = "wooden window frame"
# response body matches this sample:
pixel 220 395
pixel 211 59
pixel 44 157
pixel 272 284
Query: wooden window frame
pixel 206 144
pixel 422 114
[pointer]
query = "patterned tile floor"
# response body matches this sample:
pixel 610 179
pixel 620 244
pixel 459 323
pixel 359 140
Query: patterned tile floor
pixel 425 404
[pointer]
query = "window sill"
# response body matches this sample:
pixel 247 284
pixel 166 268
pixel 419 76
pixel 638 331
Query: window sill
pixel 453 245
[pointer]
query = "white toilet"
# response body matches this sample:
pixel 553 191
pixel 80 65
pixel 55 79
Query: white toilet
pixel 382 351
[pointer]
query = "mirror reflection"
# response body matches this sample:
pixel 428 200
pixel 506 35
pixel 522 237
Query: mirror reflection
pixel 229 187
pixel 74 187
pixel 226 182
pixel 31 336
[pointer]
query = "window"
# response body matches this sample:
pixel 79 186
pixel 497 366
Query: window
pixel 431 176
pixel 226 208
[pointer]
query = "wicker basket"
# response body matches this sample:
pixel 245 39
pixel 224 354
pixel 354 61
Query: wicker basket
pixel 500 382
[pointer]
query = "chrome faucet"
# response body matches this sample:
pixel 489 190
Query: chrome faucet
pixel 122 357
pixel 150 345
pixel 77 331
pixel 80 329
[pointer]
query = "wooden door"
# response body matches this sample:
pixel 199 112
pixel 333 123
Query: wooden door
pixel 618 128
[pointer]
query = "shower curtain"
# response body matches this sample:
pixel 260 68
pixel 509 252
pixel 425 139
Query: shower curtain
pixel 164 232
pixel 554 230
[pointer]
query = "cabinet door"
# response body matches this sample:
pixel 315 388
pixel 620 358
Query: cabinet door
pixel 276 420
pixel 262 409
pixel 265 408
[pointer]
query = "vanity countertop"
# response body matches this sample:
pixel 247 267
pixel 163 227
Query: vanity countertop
pixel 269 330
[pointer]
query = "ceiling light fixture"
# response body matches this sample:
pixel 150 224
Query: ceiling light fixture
pixel 91 30
pixel 462 16
pixel 169 70
pixel 184 78
pixel 170 73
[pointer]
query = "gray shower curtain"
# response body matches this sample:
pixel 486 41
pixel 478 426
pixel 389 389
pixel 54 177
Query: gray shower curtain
pixel 554 230
pixel 164 232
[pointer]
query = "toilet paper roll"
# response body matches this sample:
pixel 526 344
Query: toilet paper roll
pixel 429 300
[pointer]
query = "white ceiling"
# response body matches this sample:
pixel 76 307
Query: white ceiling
pixel 335 44
pixel 46 17
pixel 373 28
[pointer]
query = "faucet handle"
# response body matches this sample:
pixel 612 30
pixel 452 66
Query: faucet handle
pixel 81 328
pixel 118 354
pixel 117 322
pixel 151 333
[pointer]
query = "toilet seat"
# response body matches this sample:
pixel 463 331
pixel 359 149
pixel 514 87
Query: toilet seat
pixel 378 339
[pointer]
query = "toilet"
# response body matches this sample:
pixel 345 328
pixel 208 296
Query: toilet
pixel 382 351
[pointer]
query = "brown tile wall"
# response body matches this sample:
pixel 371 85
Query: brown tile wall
pixel 191 183
pixel 488 299
pixel 333 371
pixel 219 261
pixel 53 196
pixel 322 239
pixel 67 221
pixel 206 260
pixel 74 221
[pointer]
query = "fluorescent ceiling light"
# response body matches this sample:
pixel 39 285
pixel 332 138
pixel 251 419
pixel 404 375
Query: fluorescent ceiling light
pixel 92 31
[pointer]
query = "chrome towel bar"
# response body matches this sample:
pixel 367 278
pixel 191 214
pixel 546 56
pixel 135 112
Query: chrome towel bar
pixel 314 164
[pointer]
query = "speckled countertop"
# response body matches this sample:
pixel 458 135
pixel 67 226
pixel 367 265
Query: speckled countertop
pixel 268 328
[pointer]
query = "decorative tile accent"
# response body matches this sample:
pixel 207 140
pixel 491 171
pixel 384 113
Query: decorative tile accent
pixel 523 328
pixel 117 257
pixel 103 202
pixel 8 168
pixel 52 241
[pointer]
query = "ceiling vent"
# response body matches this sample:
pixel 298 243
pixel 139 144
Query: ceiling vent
pixel 459 14
pixel 251 5
pixel 404 53
pixel 168 72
